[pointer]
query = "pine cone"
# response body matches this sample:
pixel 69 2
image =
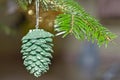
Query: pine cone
pixel 36 50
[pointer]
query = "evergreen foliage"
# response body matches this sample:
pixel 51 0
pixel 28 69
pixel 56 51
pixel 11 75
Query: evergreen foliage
pixel 75 20
pixel 67 24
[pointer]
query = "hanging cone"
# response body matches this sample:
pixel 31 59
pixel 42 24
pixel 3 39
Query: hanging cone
pixel 36 50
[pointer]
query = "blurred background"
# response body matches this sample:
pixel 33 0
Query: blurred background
pixel 73 59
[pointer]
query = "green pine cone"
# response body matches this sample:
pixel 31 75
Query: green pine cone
pixel 36 50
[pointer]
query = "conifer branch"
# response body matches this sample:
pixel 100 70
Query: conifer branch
pixel 81 29
pixel 77 21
